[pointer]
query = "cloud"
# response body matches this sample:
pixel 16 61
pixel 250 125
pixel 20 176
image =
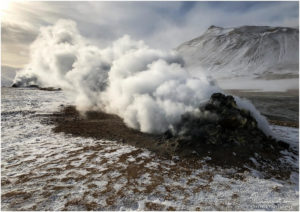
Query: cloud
pixel 17 32
pixel 162 25
pixel 15 39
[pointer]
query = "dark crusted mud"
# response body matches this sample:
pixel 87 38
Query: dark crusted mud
pixel 229 142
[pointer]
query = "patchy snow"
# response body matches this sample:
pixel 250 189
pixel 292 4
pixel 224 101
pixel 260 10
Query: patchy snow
pixel 288 134
pixel 46 171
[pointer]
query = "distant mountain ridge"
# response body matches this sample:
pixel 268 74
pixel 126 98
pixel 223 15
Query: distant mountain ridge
pixel 257 51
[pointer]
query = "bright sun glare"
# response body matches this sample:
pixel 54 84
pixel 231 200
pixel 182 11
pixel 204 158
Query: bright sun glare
pixel 4 5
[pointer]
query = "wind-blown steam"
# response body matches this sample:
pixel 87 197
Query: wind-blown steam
pixel 150 89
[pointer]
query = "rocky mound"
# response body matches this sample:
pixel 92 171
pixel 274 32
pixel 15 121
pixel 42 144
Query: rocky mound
pixel 221 122
pixel 223 131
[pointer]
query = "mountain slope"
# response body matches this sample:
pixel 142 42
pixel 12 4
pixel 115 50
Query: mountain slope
pixel 256 51
pixel 7 75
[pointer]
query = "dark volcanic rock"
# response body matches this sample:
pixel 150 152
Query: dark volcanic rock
pixel 19 85
pixel 16 85
pixel 50 89
pixel 222 127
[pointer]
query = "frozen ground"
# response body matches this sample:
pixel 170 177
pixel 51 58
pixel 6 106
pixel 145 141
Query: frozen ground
pixel 46 171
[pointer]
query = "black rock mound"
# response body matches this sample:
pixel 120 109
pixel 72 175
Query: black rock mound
pixel 223 131
pixel 17 85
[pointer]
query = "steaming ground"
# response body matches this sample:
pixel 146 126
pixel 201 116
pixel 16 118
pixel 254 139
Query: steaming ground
pixel 148 88
pixel 42 170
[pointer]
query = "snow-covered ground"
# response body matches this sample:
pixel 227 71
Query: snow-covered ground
pixel 46 171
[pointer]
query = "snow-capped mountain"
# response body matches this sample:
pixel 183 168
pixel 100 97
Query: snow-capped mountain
pixel 256 51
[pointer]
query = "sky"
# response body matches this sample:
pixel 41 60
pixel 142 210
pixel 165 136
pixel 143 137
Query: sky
pixel 163 25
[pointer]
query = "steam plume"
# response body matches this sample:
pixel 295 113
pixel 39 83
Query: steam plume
pixel 150 89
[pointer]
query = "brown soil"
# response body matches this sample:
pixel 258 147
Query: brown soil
pixel 101 125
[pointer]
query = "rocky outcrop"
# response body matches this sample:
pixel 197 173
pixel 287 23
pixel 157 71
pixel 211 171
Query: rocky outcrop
pixel 219 127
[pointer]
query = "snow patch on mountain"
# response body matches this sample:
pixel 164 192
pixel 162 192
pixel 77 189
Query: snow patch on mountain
pixel 262 52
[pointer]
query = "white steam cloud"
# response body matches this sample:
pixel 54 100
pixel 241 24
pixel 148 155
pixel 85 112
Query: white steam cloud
pixel 150 89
